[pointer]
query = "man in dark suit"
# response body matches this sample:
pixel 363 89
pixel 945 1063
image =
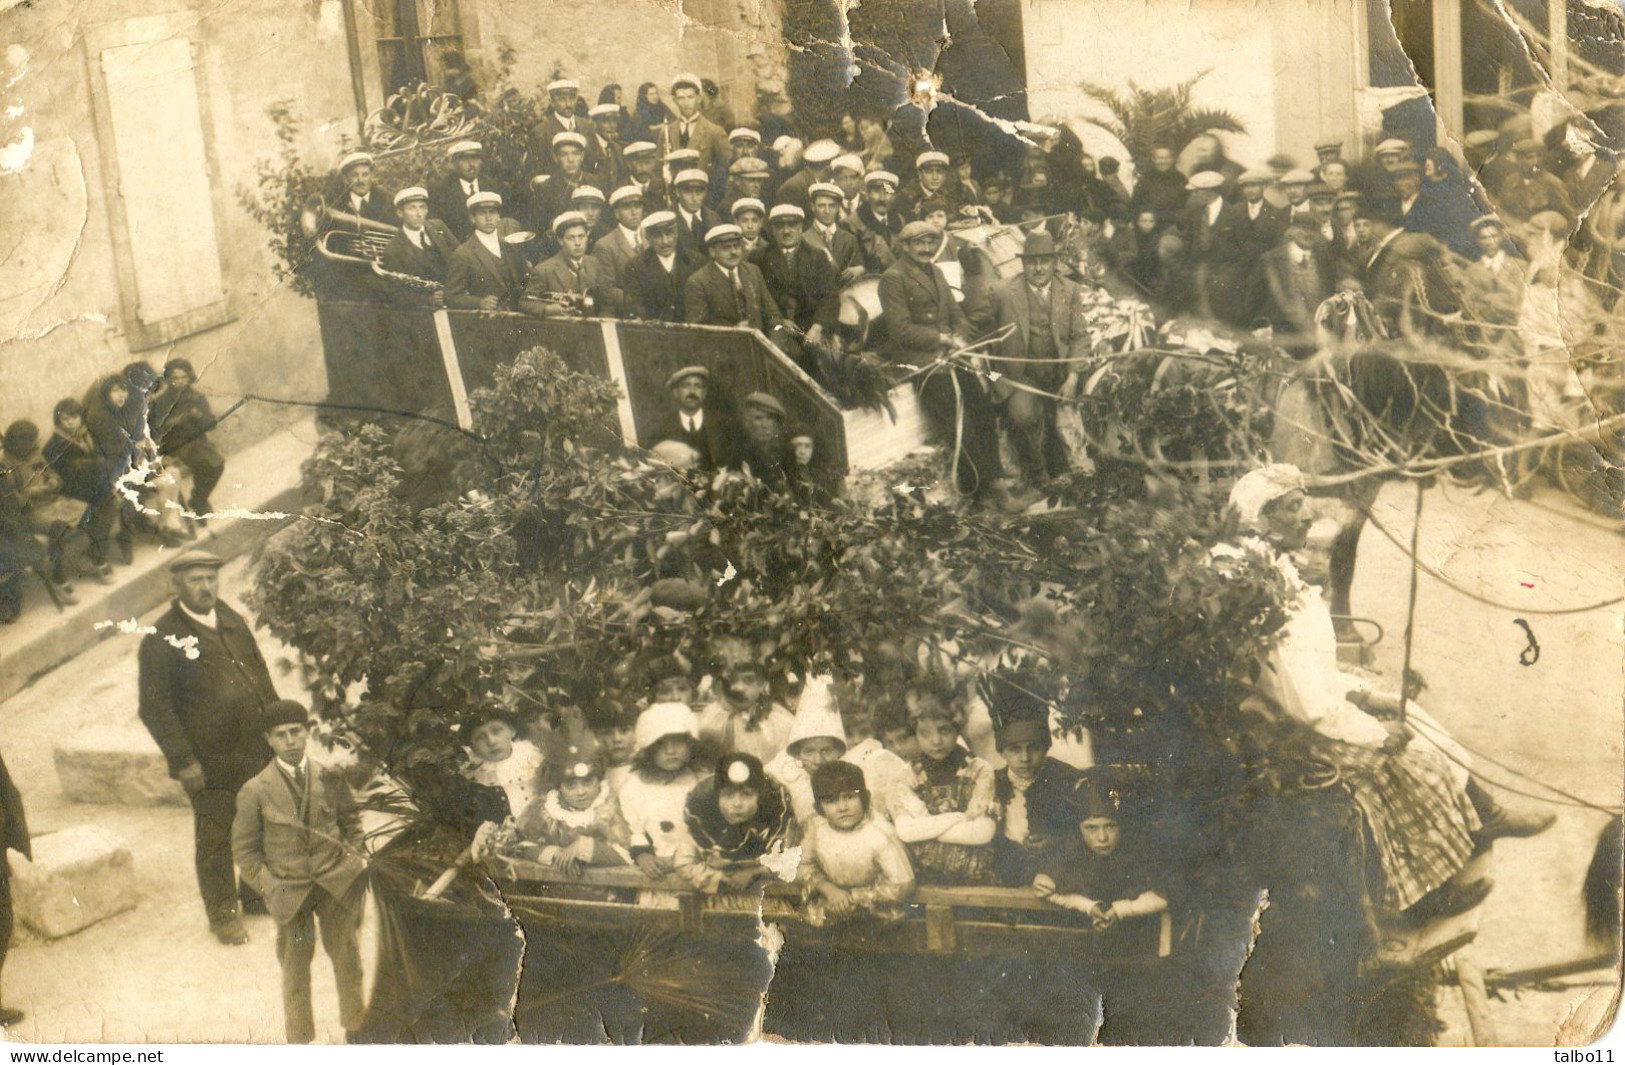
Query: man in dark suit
pixel 801 280
pixel 422 249
pixel 922 323
pixel 571 271
pixel 874 224
pixel 1160 188
pixel 694 219
pixel 561 117
pixel 689 128
pixel 13 837
pixel 817 162
pixel 826 234
pixel 1297 280
pixel 652 282
pixel 448 197
pixel 642 159
pixel 1240 235
pixel 554 193
pixel 696 421
pixel 1044 315
pixel 297 837
pixel 204 714
pixel 1402 273
pixel 728 290
pixel 604 145
pixel 359 195
pixel 485 273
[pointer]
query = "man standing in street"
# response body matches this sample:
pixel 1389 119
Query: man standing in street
pixel 297 836
pixel 203 687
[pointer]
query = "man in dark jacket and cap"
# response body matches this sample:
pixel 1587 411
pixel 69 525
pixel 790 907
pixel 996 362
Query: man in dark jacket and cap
pixel 203 688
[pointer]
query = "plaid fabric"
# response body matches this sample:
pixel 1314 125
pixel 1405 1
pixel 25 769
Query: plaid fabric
pixel 1420 823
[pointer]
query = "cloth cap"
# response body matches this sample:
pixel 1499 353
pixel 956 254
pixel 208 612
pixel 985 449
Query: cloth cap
pixel 1038 244
pixel 604 111
pixel 740 770
pixel 484 198
pixel 1255 177
pixel 915 230
pixel 1092 797
pixel 688 371
pixel 1205 179
pixel 750 166
pixel 639 148
pixel 690 177
pixel 691 80
pixel 682 155
pixel 626 194
pixel 1483 220
pixel 658 219
pixel 1263 486
pixel 1551 221
pixel 816 715
pixel 1319 190
pixel 567 136
pixel 1023 728
pixel 1406 166
pixel 283 712
pixel 411 192
pixel 1327 143
pixel 748 203
pixel 836 778
pixel 465 148
pixel 197 558
pixel 1346 197
pixel 744 133
pixel 354 159
pixel 848 162
pixel 763 401
pixel 1297 177
pixel 588 192
pixel 724 233
pixel 821 151
pixel 1392 145
pixel 786 210
pixel 566 220
pixel 563 85
pixel 882 177
pixel 661 720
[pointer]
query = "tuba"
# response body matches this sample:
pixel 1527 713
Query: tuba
pixel 342 237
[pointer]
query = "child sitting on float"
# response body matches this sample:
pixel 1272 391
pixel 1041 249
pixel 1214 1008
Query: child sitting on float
pixel 743 717
pixel 956 787
pixel 498 758
pixel 851 862
pixel 652 798
pixel 734 818
pixel 1107 876
pixel 578 822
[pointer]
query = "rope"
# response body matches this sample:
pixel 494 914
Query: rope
pixel 1439 576
pixel 1410 608
pixel 1572 799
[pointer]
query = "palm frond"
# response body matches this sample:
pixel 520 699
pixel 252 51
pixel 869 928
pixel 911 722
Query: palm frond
pixel 1216 119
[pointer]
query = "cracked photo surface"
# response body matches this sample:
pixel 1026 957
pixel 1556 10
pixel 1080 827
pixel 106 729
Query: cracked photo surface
pixel 912 522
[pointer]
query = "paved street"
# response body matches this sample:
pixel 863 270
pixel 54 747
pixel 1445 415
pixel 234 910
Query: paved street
pixel 152 974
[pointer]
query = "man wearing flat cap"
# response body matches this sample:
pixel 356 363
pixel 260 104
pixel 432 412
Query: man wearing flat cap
pixel 766 451
pixel 642 159
pixel 697 421
pixel 689 128
pixel 448 196
pixel 203 686
pixel 923 323
pixel 728 290
pixel 1528 189
pixel 1241 234
pixel 297 837
pixel 1042 314
pixel 623 240
pixel 604 145
pixel 486 273
pixel 1402 273
pixel 652 281
pixel 689 190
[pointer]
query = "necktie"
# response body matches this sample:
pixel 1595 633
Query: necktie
pixel 682 135
pixel 739 289
pixel 299 779
pixel 575 275
pixel 423 239
pixel 692 423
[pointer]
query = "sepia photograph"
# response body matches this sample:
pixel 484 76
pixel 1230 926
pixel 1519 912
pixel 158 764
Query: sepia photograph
pixel 908 522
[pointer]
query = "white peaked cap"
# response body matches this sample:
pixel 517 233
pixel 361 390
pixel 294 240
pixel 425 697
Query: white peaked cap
pixel 816 714
pixel 661 720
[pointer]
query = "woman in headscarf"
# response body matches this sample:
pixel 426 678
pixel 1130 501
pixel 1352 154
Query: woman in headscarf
pixel 649 114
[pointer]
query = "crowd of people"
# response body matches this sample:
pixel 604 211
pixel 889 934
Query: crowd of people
pixel 70 511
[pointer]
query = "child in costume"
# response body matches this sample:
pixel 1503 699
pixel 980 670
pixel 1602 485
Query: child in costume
pixel 578 822
pixel 652 798
pixel 851 862
pixel 734 818
pixel 498 758
pixel 956 787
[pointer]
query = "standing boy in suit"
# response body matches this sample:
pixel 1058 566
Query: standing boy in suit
pixel 297 838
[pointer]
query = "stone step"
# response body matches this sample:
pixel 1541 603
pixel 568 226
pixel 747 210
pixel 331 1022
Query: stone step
pixel 115 764
pixel 79 876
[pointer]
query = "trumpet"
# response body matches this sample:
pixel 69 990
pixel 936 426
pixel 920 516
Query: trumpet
pixel 344 237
